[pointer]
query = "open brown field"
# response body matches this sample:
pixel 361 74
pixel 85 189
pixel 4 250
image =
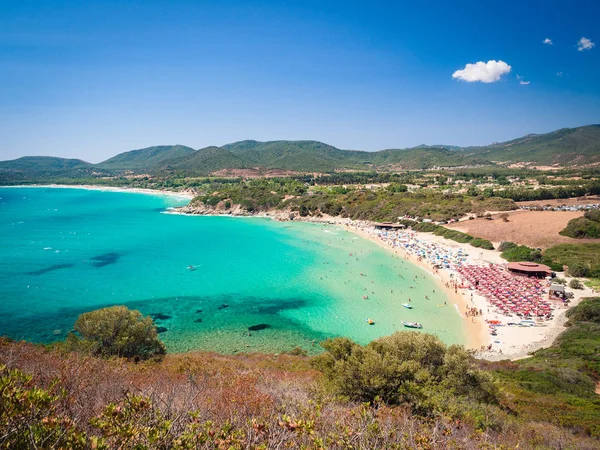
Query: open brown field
pixel 531 228
pixel 563 201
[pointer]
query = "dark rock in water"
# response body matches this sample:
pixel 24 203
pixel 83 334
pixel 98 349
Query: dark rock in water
pixel 50 269
pixel 160 316
pixel 260 326
pixel 223 306
pixel 161 329
pixel 105 260
pixel 198 320
pixel 198 310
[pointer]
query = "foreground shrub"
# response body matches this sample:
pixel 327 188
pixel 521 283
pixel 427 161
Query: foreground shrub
pixel 116 331
pixel 29 415
pixel 405 368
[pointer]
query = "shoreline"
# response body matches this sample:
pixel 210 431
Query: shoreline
pixel 510 343
pixel 475 331
pixel 163 192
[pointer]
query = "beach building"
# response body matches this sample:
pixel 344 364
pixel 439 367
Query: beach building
pixel 557 291
pixel 530 269
pixel 389 226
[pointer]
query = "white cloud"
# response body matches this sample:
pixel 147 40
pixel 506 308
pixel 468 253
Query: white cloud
pixel 485 72
pixel 585 44
pixel 547 41
pixel 559 74
pixel 524 82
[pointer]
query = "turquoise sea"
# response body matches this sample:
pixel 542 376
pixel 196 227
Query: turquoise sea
pixel 67 251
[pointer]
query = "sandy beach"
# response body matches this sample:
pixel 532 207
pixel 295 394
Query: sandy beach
pixel 183 194
pixel 510 342
pixel 476 332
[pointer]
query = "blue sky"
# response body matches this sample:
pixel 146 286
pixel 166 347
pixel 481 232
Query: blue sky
pixel 90 79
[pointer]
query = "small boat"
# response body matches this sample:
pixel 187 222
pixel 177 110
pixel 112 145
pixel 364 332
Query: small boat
pixel 412 325
pixel 370 321
pixel 407 305
pixel 191 268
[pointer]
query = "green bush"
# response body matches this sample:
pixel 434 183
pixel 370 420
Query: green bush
pixel 581 228
pixel 116 331
pixel 576 284
pixel 405 368
pixel 582 259
pixel 521 253
pixel 29 416
pixel 593 215
pixel 587 311
pixel 482 243
pixel 506 245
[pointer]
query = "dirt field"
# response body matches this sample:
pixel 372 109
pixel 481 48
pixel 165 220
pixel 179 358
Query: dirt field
pixel 564 201
pixel 531 228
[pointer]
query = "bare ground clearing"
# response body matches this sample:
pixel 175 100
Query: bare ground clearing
pixel 531 228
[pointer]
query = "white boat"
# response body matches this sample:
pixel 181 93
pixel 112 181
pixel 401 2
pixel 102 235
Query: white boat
pixel 412 325
pixel 407 305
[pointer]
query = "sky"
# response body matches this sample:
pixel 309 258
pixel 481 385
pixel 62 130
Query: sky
pixel 92 79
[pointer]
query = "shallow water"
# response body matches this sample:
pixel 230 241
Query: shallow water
pixel 67 251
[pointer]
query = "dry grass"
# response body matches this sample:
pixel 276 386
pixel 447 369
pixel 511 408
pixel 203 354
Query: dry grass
pixel 531 228
pixel 271 400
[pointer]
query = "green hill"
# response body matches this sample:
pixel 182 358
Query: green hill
pixel 567 146
pixel 302 156
pixel 145 158
pixel 424 158
pixel 203 162
pixel 42 164
pixel 42 168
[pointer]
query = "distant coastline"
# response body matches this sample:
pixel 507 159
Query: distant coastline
pixel 183 194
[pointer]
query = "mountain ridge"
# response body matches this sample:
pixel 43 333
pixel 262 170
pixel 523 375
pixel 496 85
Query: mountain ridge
pixel 566 146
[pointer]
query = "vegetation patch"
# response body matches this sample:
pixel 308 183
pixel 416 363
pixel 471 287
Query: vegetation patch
pixel 116 331
pixel 406 368
pixel 454 235
pixel 557 383
pixel 587 226
pixel 582 259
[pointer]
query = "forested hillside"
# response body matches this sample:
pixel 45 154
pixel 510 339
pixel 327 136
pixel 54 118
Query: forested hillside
pixel 568 146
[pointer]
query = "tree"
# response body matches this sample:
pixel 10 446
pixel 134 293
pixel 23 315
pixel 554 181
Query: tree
pixel 406 367
pixel 504 217
pixel 116 331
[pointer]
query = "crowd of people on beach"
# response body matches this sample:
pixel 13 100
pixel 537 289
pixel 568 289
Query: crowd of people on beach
pixel 437 255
